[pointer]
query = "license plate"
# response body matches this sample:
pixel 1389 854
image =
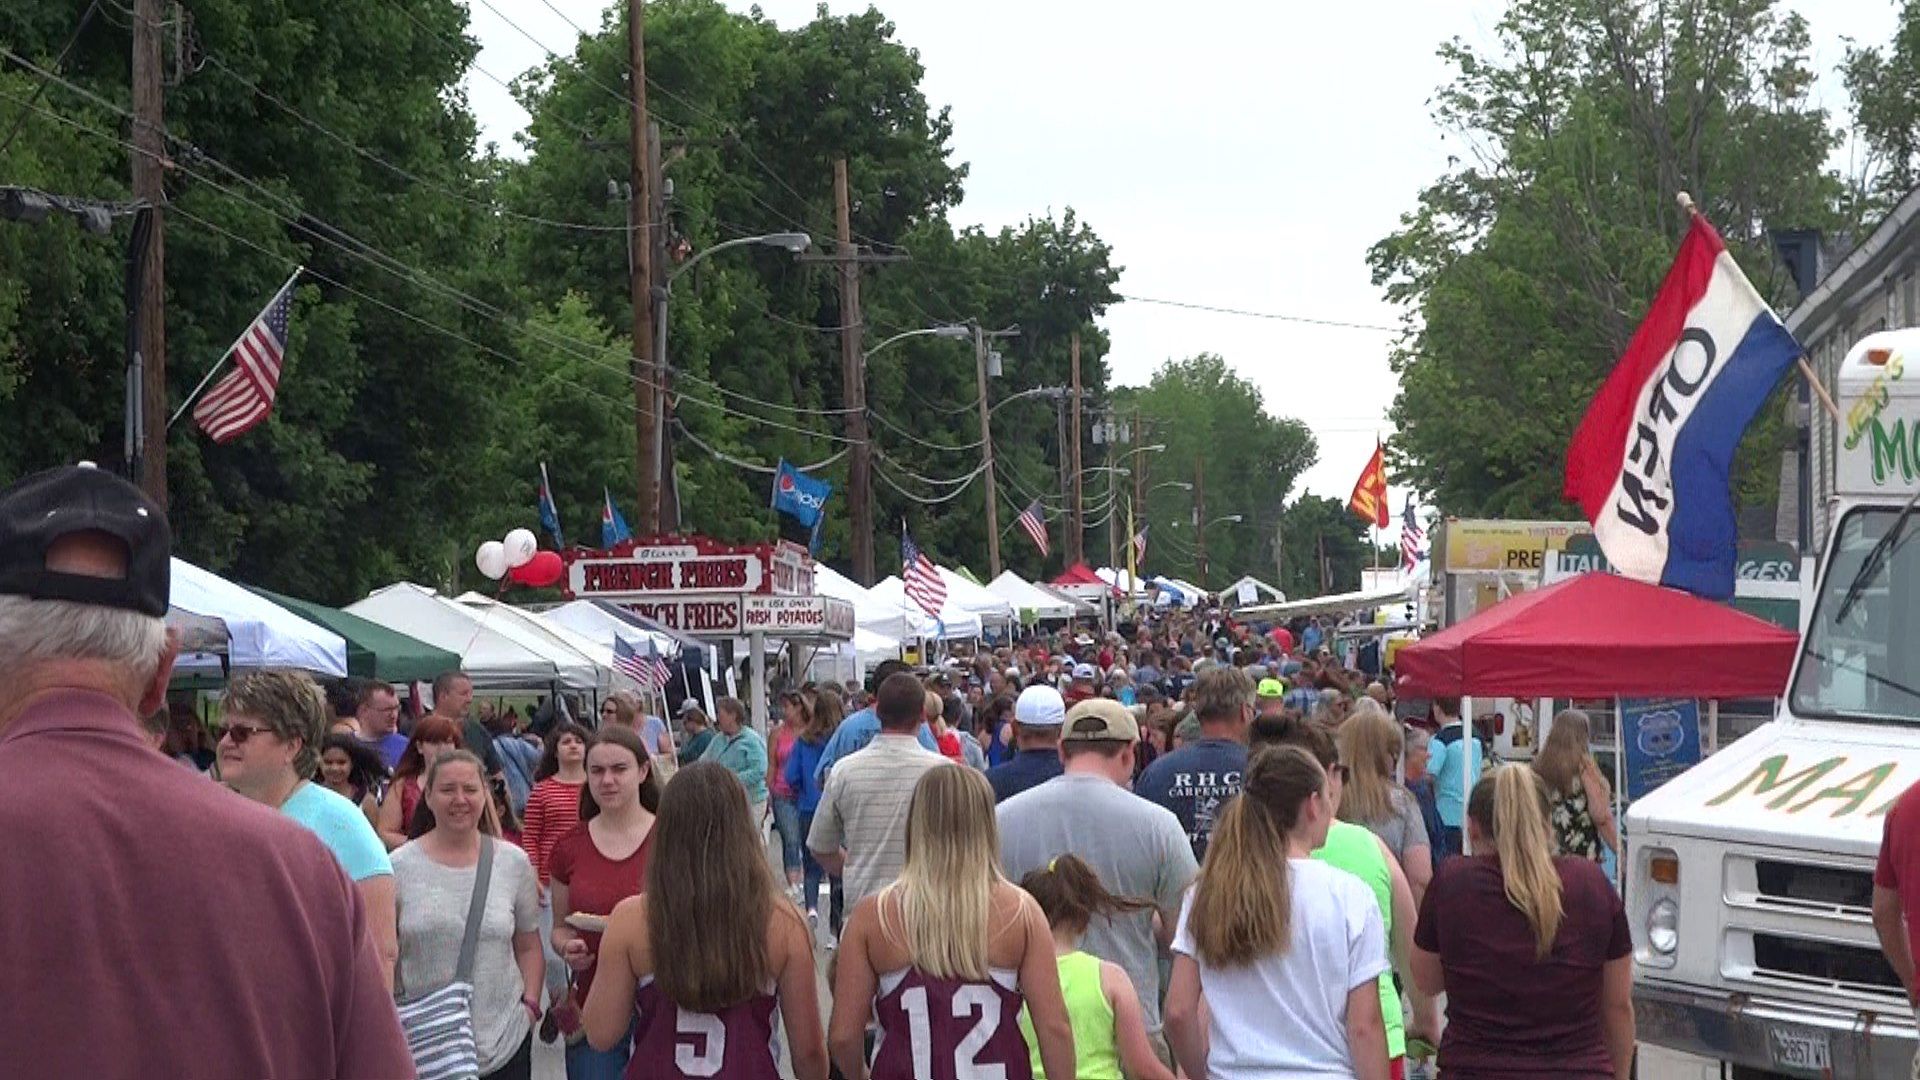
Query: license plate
pixel 1795 1049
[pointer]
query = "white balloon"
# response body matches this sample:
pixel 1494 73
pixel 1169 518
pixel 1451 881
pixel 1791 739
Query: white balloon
pixel 492 560
pixel 521 547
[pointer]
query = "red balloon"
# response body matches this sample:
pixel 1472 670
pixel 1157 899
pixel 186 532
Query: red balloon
pixel 542 570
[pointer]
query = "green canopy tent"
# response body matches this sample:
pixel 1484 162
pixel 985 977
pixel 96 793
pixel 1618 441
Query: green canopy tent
pixel 373 651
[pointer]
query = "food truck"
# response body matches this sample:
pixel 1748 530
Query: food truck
pixel 1749 878
pixel 717 593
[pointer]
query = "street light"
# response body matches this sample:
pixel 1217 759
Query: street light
pixel 951 332
pixel 1200 542
pixel 1181 484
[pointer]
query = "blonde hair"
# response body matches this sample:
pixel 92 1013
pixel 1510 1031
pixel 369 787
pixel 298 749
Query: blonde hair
pixel 1242 902
pixel 940 909
pixel 290 703
pixel 423 819
pixel 626 708
pixel 1564 754
pixel 1511 806
pixel 1370 743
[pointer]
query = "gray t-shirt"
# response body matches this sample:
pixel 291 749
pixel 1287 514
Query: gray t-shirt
pixel 1403 829
pixel 432 901
pixel 1138 849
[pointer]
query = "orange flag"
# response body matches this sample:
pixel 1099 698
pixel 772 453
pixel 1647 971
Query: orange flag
pixel 1369 498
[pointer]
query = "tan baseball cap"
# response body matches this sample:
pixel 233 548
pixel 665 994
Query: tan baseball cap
pixel 1100 720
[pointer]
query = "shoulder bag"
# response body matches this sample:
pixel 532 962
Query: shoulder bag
pixel 439 1024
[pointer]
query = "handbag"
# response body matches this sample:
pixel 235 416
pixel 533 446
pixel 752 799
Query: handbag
pixel 439 1023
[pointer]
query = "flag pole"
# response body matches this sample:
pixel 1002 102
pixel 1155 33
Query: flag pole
pixel 1806 369
pixel 222 362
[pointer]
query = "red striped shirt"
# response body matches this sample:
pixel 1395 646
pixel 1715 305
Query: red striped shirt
pixel 553 810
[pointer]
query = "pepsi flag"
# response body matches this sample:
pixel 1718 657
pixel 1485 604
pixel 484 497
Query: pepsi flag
pixel 799 495
pixel 1649 462
pixel 613 527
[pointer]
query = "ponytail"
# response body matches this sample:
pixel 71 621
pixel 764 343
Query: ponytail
pixel 1242 904
pixel 1071 894
pixel 1511 805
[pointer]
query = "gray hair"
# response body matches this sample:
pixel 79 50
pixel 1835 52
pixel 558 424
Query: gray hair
pixel 1417 739
pixel 40 631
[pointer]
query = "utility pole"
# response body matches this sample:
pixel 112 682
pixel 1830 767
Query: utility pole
pixel 1280 550
pixel 1113 515
pixel 646 370
pixel 853 375
pixel 1200 520
pixel 149 148
pixel 656 240
pixel 1076 510
pixel 986 452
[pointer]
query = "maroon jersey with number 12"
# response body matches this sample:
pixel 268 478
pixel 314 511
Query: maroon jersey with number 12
pixel 735 1043
pixel 948 1029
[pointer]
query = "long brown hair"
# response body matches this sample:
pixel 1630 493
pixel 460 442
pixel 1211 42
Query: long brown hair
pixel 1071 894
pixel 945 892
pixel 1370 744
pixel 628 740
pixel 1511 806
pixel 824 717
pixel 1564 754
pixel 430 728
pixel 707 858
pixel 1243 902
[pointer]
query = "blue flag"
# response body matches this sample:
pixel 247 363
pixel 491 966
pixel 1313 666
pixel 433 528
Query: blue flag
pixel 800 495
pixel 613 527
pixel 549 513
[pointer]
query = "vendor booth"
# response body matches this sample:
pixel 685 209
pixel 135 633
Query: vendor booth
pixel 489 654
pixel 716 593
pixel 223 626
pixel 954 623
pixel 1035 603
pixel 373 651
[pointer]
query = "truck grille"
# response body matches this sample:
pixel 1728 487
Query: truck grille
pixel 1824 965
pixel 1813 889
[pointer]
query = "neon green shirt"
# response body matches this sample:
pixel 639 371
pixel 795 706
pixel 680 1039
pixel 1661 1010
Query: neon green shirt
pixel 1096 1051
pixel 1356 850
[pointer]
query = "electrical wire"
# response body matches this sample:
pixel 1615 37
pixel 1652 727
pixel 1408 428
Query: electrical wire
pixel 924 501
pixel 687 434
pixel 912 438
pixel 882 455
pixel 1307 319
pixel 73 39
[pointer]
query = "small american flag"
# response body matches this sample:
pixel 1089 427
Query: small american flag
pixel 1034 521
pixel 1140 545
pixel 648 668
pixel 921 578
pixel 1412 537
pixel 238 403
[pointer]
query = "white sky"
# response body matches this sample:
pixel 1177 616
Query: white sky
pixel 1237 153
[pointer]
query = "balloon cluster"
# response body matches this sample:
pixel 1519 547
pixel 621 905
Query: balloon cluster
pixel 518 558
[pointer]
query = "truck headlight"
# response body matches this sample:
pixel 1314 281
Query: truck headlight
pixel 1663 927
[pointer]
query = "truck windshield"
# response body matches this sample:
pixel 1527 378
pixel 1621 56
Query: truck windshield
pixel 1863 662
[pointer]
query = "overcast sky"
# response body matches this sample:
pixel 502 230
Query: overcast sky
pixel 1235 153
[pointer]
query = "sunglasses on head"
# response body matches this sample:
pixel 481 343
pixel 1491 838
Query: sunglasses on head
pixel 240 733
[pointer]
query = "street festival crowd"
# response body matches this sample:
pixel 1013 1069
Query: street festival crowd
pixel 1181 845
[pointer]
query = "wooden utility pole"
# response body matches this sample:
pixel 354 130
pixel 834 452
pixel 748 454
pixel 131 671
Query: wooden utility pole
pixel 853 375
pixel 646 369
pixel 149 142
pixel 656 241
pixel 1200 520
pixel 1113 480
pixel 1076 510
pixel 986 453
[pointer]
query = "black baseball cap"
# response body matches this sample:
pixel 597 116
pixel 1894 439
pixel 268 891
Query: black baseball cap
pixel 41 509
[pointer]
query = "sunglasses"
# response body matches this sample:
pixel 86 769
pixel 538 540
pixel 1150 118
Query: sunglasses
pixel 239 733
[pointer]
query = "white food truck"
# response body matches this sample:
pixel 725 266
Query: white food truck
pixel 1750 876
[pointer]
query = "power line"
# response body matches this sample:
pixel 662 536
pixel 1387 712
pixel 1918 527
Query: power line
pixel 911 437
pixel 720 455
pixel 73 39
pixel 1307 319
pixel 924 501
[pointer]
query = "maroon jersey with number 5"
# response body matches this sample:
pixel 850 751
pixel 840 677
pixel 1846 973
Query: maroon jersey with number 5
pixel 947 1029
pixel 735 1043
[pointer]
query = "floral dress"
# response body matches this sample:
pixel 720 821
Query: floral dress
pixel 1573 826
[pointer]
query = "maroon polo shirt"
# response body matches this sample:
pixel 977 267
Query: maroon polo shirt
pixel 156 924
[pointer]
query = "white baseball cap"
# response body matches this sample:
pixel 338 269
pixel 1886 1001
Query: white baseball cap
pixel 1040 706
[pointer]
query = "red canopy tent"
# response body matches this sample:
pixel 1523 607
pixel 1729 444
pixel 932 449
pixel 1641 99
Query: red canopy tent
pixel 1078 574
pixel 1601 635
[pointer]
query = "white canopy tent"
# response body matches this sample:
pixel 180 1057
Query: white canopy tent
pixel 977 599
pixel 553 634
pixel 1026 596
pixel 1229 597
pixel 490 654
pixel 954 624
pixel 215 615
pixel 871 613
pixel 1120 579
pixel 591 621
pixel 1328 605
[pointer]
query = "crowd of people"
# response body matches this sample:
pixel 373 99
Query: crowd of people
pixel 1184 846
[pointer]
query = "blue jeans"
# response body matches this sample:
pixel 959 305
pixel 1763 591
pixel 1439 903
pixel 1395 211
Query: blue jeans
pixel 586 1063
pixel 815 872
pixel 786 819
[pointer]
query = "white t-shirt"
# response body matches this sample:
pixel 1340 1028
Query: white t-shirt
pixel 1286 1015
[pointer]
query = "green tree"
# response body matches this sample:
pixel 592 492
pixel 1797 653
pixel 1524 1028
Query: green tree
pixel 1324 548
pixel 1885 87
pixel 1526 268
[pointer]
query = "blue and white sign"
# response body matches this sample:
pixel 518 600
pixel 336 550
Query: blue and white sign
pixel 799 495
pixel 1661 738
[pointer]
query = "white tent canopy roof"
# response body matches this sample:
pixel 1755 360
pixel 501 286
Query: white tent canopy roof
pixel 1328 605
pixel 871 613
pixel 490 655
pixel 1230 596
pixel 954 624
pixel 554 635
pixel 254 632
pixel 981 601
pixel 1119 579
pixel 1026 596
pixel 590 621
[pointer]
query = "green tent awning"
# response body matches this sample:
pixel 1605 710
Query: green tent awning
pixel 373 651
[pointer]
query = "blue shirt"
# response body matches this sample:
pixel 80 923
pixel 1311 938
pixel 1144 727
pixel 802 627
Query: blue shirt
pixel 389 747
pixel 519 760
pixel 1026 769
pixel 854 733
pixel 1195 782
pixel 799 771
pixel 745 755
pixel 342 827
pixel 1450 789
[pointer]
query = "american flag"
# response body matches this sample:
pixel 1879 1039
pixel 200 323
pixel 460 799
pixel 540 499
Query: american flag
pixel 921 578
pixel 1140 545
pixel 238 403
pixel 1412 536
pixel 1034 521
pixel 648 669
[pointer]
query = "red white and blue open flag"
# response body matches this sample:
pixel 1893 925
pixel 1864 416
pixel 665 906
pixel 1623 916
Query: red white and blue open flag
pixel 648 668
pixel 238 403
pixel 920 578
pixel 1033 522
pixel 1650 462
